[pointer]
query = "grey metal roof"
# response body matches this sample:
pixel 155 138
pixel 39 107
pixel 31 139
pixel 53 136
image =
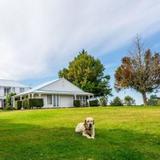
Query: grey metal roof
pixel 37 89
pixel 11 83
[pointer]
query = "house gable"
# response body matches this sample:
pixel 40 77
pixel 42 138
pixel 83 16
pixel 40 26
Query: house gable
pixel 61 85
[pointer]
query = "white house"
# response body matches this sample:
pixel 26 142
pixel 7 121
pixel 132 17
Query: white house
pixel 57 93
pixel 10 86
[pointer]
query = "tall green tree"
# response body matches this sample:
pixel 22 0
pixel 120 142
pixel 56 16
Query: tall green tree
pixel 154 100
pixel 116 102
pixel 87 73
pixel 129 101
pixel 140 71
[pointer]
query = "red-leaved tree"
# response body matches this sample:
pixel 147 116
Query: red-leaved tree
pixel 140 71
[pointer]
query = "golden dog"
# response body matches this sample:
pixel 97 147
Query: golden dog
pixel 87 128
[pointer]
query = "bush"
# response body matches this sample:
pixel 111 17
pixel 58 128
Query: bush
pixel 8 101
pixel 116 102
pixel 129 101
pixel 94 102
pixel 25 104
pixel 35 102
pixel 18 104
pixel 103 101
pixel 29 103
pixel 8 108
pixel 77 103
pixel 153 101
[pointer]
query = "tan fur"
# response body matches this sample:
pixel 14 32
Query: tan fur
pixel 87 128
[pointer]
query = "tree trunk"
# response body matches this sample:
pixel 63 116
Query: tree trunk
pixel 144 98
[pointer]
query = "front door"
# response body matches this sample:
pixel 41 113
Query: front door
pixel 55 100
pixel 49 101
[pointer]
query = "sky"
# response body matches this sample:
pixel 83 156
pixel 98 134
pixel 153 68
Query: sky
pixel 40 37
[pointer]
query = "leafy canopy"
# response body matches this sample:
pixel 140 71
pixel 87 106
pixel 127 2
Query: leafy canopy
pixel 141 71
pixel 87 73
pixel 116 102
pixel 129 101
pixel 154 100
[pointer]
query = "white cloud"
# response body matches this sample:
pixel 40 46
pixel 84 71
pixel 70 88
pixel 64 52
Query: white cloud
pixel 38 37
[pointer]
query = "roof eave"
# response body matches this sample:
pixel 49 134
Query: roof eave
pixel 54 92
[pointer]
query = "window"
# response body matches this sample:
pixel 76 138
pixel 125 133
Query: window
pixel 21 90
pixel 56 100
pixel 7 91
pixel 13 89
pixel 49 99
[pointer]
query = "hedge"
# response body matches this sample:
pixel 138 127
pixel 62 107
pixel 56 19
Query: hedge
pixel 77 103
pixel 94 102
pixel 29 103
pixel 25 104
pixel 35 102
pixel 18 104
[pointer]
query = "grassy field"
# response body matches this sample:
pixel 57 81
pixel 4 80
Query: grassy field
pixel 121 134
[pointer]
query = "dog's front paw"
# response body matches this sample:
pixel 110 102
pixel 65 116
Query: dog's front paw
pixel 89 137
pixel 92 137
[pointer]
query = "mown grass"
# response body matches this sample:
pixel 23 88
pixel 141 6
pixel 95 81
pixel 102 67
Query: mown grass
pixel 126 133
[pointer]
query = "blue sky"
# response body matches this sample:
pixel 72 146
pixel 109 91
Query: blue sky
pixel 38 38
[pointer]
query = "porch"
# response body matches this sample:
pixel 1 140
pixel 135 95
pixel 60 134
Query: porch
pixel 54 100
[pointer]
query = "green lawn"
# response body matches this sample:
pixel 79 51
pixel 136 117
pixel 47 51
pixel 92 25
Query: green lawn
pixel 121 134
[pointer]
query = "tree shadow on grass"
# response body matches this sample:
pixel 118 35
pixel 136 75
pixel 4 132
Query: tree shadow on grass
pixel 25 141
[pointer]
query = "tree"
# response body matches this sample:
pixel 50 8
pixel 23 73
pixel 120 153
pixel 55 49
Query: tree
pixel 153 100
pixel 103 101
pixel 87 73
pixel 116 102
pixel 8 102
pixel 140 71
pixel 129 101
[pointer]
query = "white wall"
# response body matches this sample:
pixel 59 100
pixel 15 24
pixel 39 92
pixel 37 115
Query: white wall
pixel 66 101
pixel 0 103
pixel 45 102
pixel 1 91
pixel 17 90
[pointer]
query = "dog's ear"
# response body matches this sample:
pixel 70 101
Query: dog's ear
pixel 85 123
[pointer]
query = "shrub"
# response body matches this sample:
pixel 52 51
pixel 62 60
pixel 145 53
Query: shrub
pixel 35 102
pixel 8 101
pixel 129 101
pixel 116 102
pixel 103 101
pixel 153 101
pixel 94 102
pixel 18 104
pixel 25 104
pixel 8 108
pixel 29 103
pixel 77 103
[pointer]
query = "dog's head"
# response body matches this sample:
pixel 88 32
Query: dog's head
pixel 89 122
